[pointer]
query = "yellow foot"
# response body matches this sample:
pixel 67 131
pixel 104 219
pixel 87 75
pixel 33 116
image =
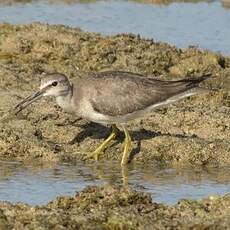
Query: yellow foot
pixel 100 149
pixel 95 154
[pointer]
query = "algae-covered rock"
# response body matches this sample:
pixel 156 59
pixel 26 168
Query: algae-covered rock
pixel 193 62
pixel 118 208
pixel 3 221
pixel 193 131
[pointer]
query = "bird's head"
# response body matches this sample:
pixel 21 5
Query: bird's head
pixel 54 84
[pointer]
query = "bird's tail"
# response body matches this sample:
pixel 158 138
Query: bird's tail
pixel 188 93
pixel 196 81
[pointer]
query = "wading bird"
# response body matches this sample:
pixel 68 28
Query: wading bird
pixel 113 98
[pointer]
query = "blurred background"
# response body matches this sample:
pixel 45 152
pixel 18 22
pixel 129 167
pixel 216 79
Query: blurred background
pixel 202 23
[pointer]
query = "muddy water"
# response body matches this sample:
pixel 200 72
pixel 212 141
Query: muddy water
pixel 37 184
pixel 205 24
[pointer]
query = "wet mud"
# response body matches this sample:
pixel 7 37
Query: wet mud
pixel 195 131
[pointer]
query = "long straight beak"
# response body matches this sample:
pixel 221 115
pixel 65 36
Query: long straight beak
pixel 29 100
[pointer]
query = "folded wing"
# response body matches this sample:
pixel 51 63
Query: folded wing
pixel 119 93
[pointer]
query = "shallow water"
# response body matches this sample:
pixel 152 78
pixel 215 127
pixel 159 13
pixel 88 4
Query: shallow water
pixel 39 184
pixel 203 24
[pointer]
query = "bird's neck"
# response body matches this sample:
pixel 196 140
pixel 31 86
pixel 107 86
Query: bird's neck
pixel 64 101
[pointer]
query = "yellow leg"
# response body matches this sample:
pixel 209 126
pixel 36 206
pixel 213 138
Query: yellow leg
pixel 99 150
pixel 127 147
pixel 125 175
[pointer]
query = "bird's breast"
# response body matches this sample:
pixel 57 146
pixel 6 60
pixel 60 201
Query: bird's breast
pixel 86 111
pixel 65 104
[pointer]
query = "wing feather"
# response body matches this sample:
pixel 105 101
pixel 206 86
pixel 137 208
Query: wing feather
pixel 118 93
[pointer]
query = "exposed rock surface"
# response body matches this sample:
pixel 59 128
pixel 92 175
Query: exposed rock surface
pixel 193 131
pixel 117 208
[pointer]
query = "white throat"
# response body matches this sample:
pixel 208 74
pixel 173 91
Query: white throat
pixel 64 101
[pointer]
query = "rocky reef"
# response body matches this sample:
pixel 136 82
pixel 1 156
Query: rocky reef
pixel 195 131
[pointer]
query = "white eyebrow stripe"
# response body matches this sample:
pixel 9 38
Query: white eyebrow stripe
pixel 46 84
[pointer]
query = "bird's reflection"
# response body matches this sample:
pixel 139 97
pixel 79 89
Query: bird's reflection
pixel 110 171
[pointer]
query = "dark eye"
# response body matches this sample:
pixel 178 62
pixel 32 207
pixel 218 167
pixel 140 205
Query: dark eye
pixel 54 83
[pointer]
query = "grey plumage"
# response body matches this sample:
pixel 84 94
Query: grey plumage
pixel 120 93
